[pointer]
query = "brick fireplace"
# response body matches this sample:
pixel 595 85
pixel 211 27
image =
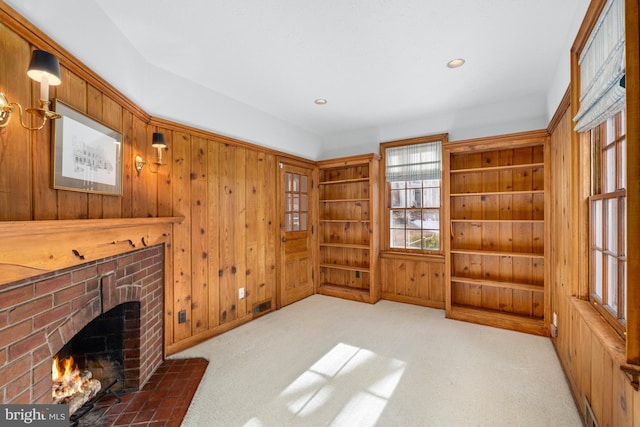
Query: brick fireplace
pixel 58 276
pixel 39 316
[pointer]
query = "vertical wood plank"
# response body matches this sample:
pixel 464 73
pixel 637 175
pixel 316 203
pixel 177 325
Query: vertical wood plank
pixel 199 233
pixel 252 228
pixel 181 195
pixel 215 213
pixel 164 194
pixel 240 229
pixel 145 184
pixel 128 170
pixel 228 290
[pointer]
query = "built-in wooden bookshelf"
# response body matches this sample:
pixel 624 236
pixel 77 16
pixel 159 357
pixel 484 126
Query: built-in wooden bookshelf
pixel 348 238
pixel 495 211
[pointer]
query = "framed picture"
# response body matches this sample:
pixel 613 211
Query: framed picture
pixel 87 155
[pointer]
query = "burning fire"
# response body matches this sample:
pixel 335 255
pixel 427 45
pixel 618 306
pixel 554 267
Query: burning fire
pixel 66 378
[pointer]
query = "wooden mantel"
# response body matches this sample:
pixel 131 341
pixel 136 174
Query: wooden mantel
pixel 31 248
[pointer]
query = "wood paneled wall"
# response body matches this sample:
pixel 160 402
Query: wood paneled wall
pixel 413 279
pixel 588 348
pixel 223 188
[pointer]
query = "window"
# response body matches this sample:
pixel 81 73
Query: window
pixel 608 220
pixel 297 202
pixel 412 198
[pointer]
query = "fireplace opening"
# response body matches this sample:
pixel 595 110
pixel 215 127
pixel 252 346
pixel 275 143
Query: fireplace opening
pixel 103 355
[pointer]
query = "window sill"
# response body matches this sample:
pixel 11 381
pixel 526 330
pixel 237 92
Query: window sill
pixel 412 255
pixel 611 341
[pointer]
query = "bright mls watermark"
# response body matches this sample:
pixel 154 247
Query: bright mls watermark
pixel 34 415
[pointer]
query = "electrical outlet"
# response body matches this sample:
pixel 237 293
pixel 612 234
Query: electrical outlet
pixel 241 293
pixel 555 319
pixel 357 274
pixel 182 316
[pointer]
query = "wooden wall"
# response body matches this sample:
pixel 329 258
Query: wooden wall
pixel 223 188
pixel 413 279
pixel 589 350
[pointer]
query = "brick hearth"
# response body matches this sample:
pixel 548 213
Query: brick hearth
pixel 38 316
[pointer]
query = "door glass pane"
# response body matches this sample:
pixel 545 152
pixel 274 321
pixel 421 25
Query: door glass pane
pixel 295 219
pixel 295 202
pixel 288 185
pixel 303 221
pixel 287 222
pixel 295 182
pixel 304 203
pixel 303 183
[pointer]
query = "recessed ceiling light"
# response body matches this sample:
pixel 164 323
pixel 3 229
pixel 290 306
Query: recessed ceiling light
pixel 320 101
pixel 455 63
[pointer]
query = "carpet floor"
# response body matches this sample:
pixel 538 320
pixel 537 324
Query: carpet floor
pixel 325 361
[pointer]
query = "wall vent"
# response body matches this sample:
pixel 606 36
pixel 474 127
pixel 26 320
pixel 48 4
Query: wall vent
pixel 262 307
pixel 589 417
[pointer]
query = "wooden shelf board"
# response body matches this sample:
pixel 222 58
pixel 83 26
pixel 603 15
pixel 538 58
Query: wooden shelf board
pixel 366 221
pixel 344 181
pixel 497 193
pixel 345 292
pixel 499 284
pixel 342 200
pixel 495 221
pixel 499 168
pixel 345 267
pixel 498 319
pixel 496 253
pixel 344 245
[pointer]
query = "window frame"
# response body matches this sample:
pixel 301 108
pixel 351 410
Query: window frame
pixel 385 196
pixel 601 193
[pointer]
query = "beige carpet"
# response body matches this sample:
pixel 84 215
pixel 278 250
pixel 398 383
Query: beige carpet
pixel 329 362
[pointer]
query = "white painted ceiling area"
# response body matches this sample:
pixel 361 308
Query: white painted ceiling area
pixel 252 69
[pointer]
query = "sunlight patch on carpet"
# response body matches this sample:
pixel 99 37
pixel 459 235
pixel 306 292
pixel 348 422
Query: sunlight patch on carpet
pixel 347 385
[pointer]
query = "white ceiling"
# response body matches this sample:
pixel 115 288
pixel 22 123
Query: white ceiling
pixel 377 62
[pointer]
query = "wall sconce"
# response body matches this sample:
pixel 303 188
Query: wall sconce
pixel 45 69
pixel 158 143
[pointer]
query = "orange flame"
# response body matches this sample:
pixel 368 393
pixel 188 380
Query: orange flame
pixel 66 378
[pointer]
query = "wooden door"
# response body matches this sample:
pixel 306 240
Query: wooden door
pixel 296 229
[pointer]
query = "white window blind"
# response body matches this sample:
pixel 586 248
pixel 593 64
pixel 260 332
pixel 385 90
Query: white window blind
pixel 413 162
pixel 601 69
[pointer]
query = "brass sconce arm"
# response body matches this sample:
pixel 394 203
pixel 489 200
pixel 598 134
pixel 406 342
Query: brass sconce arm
pixel 6 108
pixel 140 163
